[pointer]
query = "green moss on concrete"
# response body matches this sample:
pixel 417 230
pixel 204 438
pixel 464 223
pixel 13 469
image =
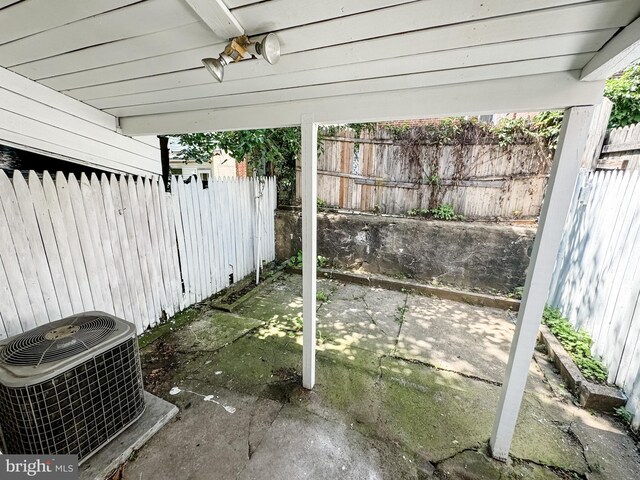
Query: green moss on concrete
pixel 439 413
pixel 346 388
pixel 540 437
pixel 268 308
pixel 431 414
pixel 250 365
pixel 179 320
pixel 477 465
pixel 213 330
pixel 435 413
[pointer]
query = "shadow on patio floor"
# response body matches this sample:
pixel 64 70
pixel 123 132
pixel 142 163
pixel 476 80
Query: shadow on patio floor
pixel 407 387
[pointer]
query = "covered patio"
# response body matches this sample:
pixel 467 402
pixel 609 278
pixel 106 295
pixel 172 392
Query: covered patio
pixel 91 81
pixel 406 388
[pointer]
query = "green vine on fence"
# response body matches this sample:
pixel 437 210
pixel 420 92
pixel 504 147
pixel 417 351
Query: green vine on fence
pixel 543 127
pixel 541 131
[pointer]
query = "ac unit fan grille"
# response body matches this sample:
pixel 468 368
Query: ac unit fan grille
pixel 77 411
pixel 44 345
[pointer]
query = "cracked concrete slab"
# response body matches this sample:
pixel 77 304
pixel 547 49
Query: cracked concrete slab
pixel 459 337
pixel 319 449
pixel 391 417
pixel 441 413
pixel 256 364
pixel 366 318
pixel 609 452
pixel 206 441
pixel 477 465
pixel 281 300
pixel 213 331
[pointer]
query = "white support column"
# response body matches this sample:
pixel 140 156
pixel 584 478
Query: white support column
pixel 309 247
pixel 564 173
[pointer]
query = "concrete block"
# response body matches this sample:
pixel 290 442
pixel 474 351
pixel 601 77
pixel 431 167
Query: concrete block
pixel 592 396
pixel 100 466
pixel 462 254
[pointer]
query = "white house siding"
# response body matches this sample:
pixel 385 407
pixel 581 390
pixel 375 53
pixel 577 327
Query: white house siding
pixel 38 119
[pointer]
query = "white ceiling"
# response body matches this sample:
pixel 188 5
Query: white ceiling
pixel 348 59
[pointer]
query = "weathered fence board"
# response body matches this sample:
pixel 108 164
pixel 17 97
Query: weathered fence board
pixel 217 227
pixel 377 173
pixel 596 281
pixel 621 149
pixel 123 245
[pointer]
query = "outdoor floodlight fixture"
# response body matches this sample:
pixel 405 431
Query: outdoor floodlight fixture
pixel 240 48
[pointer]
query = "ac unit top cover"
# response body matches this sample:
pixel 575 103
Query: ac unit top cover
pixel 49 350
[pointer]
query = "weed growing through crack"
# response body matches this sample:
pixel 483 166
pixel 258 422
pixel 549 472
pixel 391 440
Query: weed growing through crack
pixel 322 296
pixel 400 311
pixel 624 415
pixel 516 293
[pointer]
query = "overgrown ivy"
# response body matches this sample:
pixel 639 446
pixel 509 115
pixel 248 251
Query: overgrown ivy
pixel 541 131
pixel 274 151
pixel 544 127
pixel 577 343
pixel 267 151
pixel 624 92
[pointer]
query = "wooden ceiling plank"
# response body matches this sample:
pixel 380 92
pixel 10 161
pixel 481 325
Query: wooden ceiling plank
pixel 8 3
pixel 391 84
pixel 536 24
pixel 616 55
pixel 428 14
pixel 216 15
pixel 240 3
pixel 34 16
pixel 50 148
pixel 543 92
pixel 155 63
pixel 281 14
pixel 441 60
pixel 185 37
pixel 134 20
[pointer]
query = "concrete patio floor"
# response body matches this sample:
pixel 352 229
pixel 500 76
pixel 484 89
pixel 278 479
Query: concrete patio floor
pixel 407 387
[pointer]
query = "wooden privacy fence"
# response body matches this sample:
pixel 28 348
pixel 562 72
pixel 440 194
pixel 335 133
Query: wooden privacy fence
pixel 621 149
pixel 611 149
pixel 123 246
pixel 379 173
pixel 596 282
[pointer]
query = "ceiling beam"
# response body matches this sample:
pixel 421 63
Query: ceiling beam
pixel 616 55
pixel 543 92
pixel 395 83
pixel 216 15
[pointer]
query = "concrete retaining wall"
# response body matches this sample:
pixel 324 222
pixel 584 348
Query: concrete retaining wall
pixel 466 255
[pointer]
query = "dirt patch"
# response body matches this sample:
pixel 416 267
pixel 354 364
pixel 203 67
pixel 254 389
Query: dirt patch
pixel 159 363
pixel 286 383
pixel 235 295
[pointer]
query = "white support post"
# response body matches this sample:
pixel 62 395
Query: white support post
pixel 564 173
pixel 309 247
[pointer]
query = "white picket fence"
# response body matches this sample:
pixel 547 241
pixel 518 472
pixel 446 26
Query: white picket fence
pixel 596 282
pixel 219 229
pixel 122 246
